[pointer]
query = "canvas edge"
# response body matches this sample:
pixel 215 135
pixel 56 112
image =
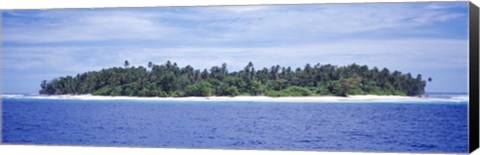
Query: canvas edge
pixel 473 77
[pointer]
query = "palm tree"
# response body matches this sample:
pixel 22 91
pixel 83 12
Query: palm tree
pixel 126 63
pixel 150 64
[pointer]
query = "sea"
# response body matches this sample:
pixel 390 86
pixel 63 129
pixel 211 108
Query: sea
pixel 438 126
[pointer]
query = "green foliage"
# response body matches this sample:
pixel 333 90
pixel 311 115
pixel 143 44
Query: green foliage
pixel 178 93
pixel 169 80
pixel 322 90
pixel 232 91
pixel 116 91
pixel 346 85
pixel 297 91
pixel 291 91
pixel 273 93
pixel 203 88
pixel 103 91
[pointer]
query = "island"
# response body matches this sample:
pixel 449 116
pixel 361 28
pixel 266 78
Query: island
pixel 170 80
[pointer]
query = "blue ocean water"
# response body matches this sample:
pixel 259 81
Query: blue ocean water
pixel 378 127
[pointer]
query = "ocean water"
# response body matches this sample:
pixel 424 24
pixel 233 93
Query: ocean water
pixel 377 127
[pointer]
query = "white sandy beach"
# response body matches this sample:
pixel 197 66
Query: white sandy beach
pixel 320 99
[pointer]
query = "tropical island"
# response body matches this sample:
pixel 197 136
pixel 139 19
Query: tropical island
pixel 170 80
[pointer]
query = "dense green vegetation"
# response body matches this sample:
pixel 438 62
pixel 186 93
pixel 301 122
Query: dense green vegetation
pixel 169 80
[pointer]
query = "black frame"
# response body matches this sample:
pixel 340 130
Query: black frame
pixel 474 78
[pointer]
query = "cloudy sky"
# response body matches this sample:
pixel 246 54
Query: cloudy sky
pixel 419 38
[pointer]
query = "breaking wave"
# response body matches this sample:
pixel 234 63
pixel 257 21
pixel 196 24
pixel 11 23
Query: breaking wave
pixel 360 98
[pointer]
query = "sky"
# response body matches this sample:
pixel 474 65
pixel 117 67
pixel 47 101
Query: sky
pixel 429 38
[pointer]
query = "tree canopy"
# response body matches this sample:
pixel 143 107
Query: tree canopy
pixel 170 80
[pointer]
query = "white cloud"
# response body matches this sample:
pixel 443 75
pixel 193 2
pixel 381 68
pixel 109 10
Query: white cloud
pixel 86 26
pixel 405 55
pixel 325 20
pixel 224 23
pixel 66 42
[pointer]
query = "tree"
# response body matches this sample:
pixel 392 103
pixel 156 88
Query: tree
pixel 347 84
pixel 171 80
pixel 126 63
pixel 232 91
pixel 203 88
pixel 150 64
pixel 44 84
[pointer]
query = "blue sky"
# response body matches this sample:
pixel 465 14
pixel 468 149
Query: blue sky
pixel 419 38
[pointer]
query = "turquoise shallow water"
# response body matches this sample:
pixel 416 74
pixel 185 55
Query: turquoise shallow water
pixel 379 127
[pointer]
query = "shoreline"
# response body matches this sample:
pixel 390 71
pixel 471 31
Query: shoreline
pixel 320 99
